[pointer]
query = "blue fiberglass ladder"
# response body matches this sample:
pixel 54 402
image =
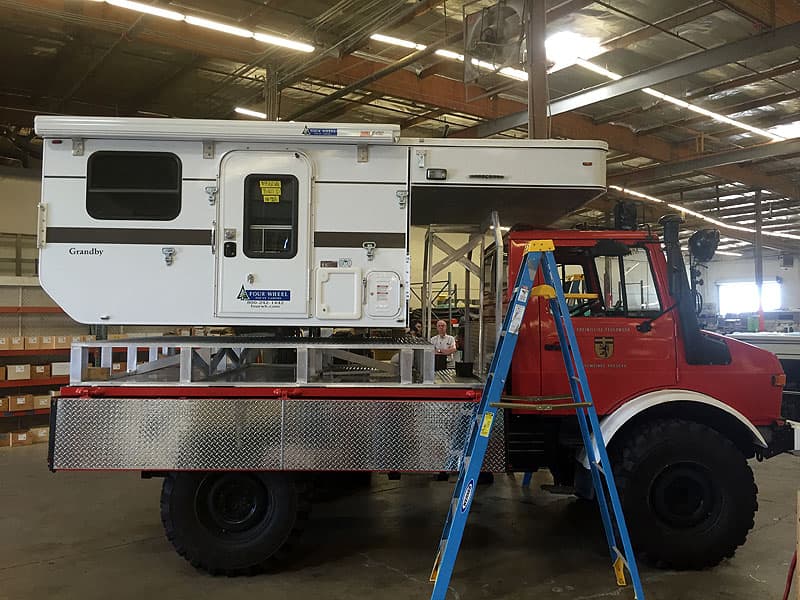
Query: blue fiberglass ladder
pixel 538 252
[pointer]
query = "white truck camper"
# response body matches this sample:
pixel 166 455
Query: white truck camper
pixel 176 221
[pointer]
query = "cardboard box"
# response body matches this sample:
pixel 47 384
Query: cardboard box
pixel 117 336
pixel 20 402
pixel 40 371
pixel 62 341
pixel 3 403
pixel 16 343
pixel 59 369
pixel 18 372
pixel 2 373
pixel 77 338
pixel 46 342
pixel 119 368
pixel 89 338
pixel 5 440
pixel 21 438
pixel 33 342
pixel 39 435
pixel 5 343
pixel 43 401
pixel 97 373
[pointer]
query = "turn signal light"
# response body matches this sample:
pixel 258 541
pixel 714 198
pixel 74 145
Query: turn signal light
pixel 779 380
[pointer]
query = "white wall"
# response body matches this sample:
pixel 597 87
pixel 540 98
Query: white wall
pixel 20 190
pixel 727 269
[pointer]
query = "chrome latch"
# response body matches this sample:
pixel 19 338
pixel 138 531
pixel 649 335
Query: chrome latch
pixel 420 158
pixel 230 234
pixel 251 278
pixel 402 198
pixel 362 153
pixel 169 255
pixel 370 249
pixel 77 146
pixel 212 194
pixel 208 149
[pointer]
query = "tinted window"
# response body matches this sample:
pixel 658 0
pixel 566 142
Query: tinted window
pixel 270 216
pixel 133 186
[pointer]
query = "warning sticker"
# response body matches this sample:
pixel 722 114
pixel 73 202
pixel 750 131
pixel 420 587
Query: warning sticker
pixel 486 425
pixel 270 190
pixel 516 318
pixel 523 294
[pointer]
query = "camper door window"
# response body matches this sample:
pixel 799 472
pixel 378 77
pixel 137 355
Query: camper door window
pixel 270 216
pixel 133 186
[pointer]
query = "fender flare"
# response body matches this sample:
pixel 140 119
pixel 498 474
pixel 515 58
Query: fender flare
pixel 612 423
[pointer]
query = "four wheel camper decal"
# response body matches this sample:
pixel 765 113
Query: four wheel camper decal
pixel 264 298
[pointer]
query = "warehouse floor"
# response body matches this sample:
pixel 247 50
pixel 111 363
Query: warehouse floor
pixel 81 535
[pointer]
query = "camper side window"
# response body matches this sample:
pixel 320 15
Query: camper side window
pixel 270 216
pixel 133 186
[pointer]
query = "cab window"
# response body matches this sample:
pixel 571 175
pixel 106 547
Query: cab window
pixel 614 284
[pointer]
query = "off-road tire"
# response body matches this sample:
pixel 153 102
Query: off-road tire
pixel 255 544
pixel 687 493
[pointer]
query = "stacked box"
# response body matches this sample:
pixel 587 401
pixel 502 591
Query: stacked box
pixel 18 372
pixel 40 372
pixel 43 401
pixel 46 342
pixel 33 342
pixel 4 404
pixel 5 440
pixel 2 373
pixel 20 402
pixel 59 369
pixel 39 435
pixel 21 438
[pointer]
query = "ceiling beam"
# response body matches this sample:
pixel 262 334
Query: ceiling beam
pixel 705 161
pixel 689 65
pixel 668 23
pixel 379 74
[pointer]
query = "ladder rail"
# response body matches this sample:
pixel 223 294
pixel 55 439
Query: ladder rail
pixel 598 441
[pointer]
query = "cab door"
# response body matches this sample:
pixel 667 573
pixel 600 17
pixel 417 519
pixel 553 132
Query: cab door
pixel 263 235
pixel 616 294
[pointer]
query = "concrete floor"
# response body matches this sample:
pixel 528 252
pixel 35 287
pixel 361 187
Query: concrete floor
pixel 82 535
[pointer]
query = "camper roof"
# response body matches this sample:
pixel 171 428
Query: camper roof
pixel 132 128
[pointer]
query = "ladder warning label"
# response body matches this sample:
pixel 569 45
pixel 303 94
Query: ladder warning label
pixel 523 294
pixel 516 318
pixel 486 425
pixel 467 495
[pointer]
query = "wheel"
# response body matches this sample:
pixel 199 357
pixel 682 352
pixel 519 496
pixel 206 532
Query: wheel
pixel 687 492
pixel 232 523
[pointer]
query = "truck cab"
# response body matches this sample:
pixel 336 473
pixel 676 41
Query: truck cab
pixel 679 423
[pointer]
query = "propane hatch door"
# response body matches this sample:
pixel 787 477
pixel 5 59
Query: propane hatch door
pixel 383 294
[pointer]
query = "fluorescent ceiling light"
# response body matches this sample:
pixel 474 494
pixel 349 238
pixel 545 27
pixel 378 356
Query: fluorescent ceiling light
pixel 146 8
pixel 208 24
pixel 250 113
pixel 787 130
pixel 216 26
pixel 387 39
pixel 565 48
pixel 723 252
pixel 279 41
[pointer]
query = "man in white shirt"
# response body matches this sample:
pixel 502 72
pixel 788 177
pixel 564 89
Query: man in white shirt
pixel 444 344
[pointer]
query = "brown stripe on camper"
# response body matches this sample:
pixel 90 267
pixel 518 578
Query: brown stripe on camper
pixel 354 239
pixel 111 235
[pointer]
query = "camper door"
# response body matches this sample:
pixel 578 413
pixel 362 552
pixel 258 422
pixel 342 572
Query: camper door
pixel 263 234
